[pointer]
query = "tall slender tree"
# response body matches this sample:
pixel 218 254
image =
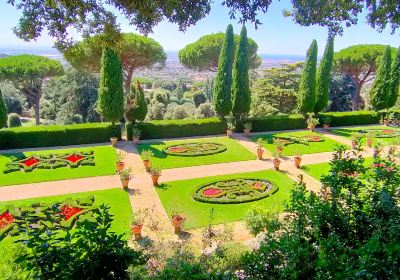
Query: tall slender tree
pixel 395 83
pixel 380 91
pixel 241 88
pixel 324 77
pixel 3 112
pixel 307 96
pixel 111 94
pixel 136 106
pixel 223 81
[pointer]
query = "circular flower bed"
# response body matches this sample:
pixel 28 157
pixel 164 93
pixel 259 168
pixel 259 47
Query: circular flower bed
pixel 194 149
pixel 234 191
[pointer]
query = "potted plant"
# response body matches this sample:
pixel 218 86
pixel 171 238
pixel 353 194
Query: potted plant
pixel 155 173
pixel 146 156
pixel 356 141
pixel 247 128
pixel 279 145
pixel 177 222
pixel 137 223
pixel 260 149
pixel 230 127
pixel 114 141
pixel 312 122
pixel 327 122
pixel 135 135
pixel 276 161
pixel 370 138
pixel 125 176
pixel 120 164
pixel 297 159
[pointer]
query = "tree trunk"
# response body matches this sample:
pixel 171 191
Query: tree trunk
pixel 356 98
pixel 128 80
pixel 36 108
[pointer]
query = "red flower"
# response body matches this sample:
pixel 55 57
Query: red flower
pixel 313 138
pixel 5 219
pixel 211 192
pixel 257 185
pixel 388 131
pixel 74 158
pixel 69 211
pixel 30 161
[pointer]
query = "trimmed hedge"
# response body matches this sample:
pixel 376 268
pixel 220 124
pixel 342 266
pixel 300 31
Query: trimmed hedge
pixel 178 128
pixel 276 122
pixel 351 118
pixel 48 136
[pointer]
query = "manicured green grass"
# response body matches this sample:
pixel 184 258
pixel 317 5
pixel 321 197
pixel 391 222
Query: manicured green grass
pixel 234 152
pixel 177 195
pixel 319 169
pixel 350 131
pixel 291 149
pixel 104 157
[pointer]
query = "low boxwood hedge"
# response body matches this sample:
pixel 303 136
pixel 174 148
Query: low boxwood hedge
pixel 276 122
pixel 351 118
pixel 48 136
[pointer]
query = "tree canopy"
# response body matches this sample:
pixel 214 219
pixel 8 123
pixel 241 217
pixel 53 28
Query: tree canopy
pixel 395 83
pixel 135 52
pixel 136 107
pixel 204 53
pixel 27 73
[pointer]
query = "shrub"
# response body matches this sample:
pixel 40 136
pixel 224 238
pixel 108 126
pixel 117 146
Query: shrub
pixel 260 219
pixel 205 110
pixel 276 122
pixel 48 136
pixel 14 120
pixel 351 118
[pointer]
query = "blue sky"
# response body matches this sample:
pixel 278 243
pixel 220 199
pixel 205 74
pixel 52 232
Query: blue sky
pixel 277 34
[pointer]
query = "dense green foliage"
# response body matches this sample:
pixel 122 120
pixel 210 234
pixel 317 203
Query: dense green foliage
pixel 241 98
pixel 341 93
pixel 395 83
pixel 136 106
pixel 48 136
pixel 14 120
pixel 204 54
pixel 222 100
pixel 307 94
pixel 276 122
pixel 111 94
pixel 3 112
pixel 323 79
pixel 27 73
pixel 12 98
pixel 351 118
pixel 380 91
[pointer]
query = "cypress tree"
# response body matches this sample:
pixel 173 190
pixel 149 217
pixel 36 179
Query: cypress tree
pixel 395 83
pixel 241 89
pixel 111 94
pixel 136 108
pixel 307 95
pixel 380 91
pixel 223 81
pixel 323 82
pixel 3 112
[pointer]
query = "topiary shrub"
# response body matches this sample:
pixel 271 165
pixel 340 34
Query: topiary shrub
pixel 14 120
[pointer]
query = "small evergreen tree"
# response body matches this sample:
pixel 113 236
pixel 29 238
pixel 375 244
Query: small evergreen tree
pixel 111 94
pixel 3 112
pixel 241 89
pixel 380 90
pixel 394 87
pixel 323 82
pixel 136 106
pixel 307 96
pixel 223 81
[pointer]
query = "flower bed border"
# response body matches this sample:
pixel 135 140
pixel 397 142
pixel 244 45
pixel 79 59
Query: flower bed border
pixel 222 148
pixel 196 196
pixel 290 140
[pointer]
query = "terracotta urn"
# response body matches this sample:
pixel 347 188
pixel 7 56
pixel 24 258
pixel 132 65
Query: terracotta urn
pixel 326 126
pixel 229 132
pixel 114 141
pixel 125 183
pixel 260 152
pixel 386 122
pixel 177 221
pixel 154 178
pixel 136 230
pixel 147 164
pixel 135 140
pixel 369 142
pixel 276 162
pixel 246 132
pixel 120 166
pixel 311 127
pixel 297 161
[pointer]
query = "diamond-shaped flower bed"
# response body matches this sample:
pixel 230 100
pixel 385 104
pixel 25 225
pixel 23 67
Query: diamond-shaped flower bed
pixel 51 161
pixel 288 140
pixel 235 191
pixel 194 149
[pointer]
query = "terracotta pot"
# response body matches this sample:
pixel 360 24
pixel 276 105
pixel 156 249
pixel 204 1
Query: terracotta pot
pixel 276 162
pixel 353 144
pixel 114 141
pixel 386 122
pixel 229 132
pixel 177 221
pixel 120 166
pixel 246 132
pixel 260 153
pixel 154 178
pixel 135 140
pixel 326 126
pixel 147 164
pixel 125 183
pixel 297 161
pixel 369 142
pixel 311 127
pixel 136 230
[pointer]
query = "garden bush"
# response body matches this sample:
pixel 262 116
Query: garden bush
pixel 276 122
pixel 14 120
pixel 48 136
pixel 351 118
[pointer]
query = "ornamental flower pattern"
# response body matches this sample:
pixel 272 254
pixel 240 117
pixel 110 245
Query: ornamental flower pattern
pixel 194 149
pixel 290 139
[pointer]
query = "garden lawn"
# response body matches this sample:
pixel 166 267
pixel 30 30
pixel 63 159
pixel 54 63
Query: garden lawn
pixel 292 149
pixel 104 157
pixel 117 199
pixel 177 196
pixel 349 132
pixel 319 169
pixel 234 152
